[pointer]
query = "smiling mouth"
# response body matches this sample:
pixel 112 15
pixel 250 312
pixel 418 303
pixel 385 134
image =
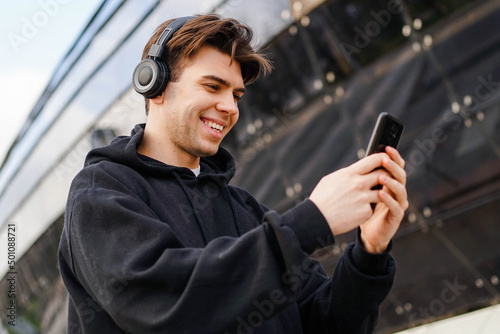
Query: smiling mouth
pixel 216 127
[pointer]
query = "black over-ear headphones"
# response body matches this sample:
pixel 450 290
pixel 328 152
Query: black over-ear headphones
pixel 151 75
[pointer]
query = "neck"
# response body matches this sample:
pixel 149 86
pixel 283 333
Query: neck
pixel 157 146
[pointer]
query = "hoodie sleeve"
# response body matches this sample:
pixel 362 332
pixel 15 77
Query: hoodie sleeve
pixel 350 300
pixel 135 268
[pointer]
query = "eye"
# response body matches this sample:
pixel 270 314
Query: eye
pixel 212 87
pixel 237 98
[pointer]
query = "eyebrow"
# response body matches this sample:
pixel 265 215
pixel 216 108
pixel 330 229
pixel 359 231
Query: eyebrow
pixel 224 82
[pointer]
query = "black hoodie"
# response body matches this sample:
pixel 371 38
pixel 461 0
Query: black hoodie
pixel 151 248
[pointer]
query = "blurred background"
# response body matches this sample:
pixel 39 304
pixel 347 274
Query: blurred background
pixel 66 72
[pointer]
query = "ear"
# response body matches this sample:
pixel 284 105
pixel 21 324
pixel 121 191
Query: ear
pixel 158 100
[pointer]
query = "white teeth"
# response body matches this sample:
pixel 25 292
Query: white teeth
pixel 214 126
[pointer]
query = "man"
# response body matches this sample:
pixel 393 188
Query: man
pixel 156 241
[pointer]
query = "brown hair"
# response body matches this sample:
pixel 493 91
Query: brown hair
pixel 225 34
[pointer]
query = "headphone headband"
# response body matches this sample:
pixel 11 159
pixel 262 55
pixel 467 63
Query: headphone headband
pixel 151 75
pixel 156 49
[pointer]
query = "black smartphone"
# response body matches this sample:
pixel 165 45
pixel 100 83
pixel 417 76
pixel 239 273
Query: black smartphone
pixel 387 132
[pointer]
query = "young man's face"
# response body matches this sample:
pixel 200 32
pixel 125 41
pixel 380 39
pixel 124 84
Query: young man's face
pixel 201 107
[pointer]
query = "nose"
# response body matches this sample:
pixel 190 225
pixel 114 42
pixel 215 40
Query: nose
pixel 228 104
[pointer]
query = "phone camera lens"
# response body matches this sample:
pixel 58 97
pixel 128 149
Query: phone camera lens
pixel 394 131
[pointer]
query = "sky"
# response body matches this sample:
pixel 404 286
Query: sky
pixel 35 35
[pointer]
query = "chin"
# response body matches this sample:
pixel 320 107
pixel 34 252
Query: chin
pixel 208 152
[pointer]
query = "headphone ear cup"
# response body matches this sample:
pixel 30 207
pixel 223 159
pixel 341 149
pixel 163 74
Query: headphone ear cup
pixel 150 77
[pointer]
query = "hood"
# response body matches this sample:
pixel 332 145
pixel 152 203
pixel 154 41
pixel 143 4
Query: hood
pixel 123 150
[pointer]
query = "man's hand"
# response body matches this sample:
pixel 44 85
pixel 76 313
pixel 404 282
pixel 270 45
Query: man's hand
pixel 344 198
pixel 377 232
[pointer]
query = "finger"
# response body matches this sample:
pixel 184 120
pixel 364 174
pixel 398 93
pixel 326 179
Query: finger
pixel 394 155
pixel 395 170
pixel 369 163
pixel 373 178
pixel 373 197
pixel 395 208
pixel 396 190
pixel 389 191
